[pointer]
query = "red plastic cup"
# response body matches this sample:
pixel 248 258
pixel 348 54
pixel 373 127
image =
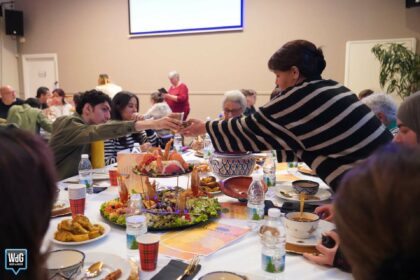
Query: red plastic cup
pixel 149 249
pixel 77 199
pixel 113 177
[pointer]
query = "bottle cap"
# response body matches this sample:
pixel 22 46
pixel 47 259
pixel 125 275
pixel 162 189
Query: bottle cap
pixel 257 176
pixel 274 212
pixel 136 144
pixel 135 219
pixel 85 156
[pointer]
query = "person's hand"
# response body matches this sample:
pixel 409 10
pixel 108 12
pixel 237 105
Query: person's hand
pixel 326 256
pixel 194 128
pixel 167 122
pixel 325 212
pixel 137 117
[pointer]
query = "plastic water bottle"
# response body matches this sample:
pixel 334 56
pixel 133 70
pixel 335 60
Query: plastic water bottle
pixel 136 223
pixel 134 205
pixel 208 147
pixel 269 169
pixel 255 202
pixel 85 173
pixel 136 149
pixel 178 143
pixel 273 239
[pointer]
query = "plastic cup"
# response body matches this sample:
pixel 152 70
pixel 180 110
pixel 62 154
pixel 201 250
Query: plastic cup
pixel 113 177
pixel 148 249
pixel 77 199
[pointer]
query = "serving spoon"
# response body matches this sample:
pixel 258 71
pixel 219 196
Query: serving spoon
pixel 94 270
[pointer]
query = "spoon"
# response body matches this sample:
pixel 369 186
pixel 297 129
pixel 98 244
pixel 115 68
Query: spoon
pixel 94 270
pixel 302 203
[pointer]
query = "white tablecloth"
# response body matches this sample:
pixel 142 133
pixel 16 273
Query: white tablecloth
pixel 242 256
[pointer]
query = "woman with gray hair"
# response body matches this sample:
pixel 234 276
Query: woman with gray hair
pixel 385 108
pixel 177 96
pixel 234 104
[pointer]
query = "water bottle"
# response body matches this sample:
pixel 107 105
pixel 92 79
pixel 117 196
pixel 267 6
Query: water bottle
pixel 178 143
pixel 136 223
pixel 136 149
pixel 269 169
pixel 85 173
pixel 208 147
pixel 273 239
pixel 134 205
pixel 255 204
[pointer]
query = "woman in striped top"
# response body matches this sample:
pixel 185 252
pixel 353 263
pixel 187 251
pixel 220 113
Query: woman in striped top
pixel 125 106
pixel 321 121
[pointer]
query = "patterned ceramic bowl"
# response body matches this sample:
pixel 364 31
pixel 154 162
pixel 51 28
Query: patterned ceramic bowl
pixel 64 264
pixel 226 165
pixel 306 186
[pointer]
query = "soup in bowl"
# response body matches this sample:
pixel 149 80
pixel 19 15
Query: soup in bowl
pixel 302 227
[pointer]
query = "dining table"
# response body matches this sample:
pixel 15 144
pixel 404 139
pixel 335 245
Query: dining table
pixel 242 256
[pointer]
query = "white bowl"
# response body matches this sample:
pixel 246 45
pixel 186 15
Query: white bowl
pixel 65 263
pixel 301 229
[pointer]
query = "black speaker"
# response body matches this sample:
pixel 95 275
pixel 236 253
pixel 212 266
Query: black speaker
pixel 14 22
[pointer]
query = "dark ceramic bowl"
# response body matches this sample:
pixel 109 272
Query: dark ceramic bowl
pixel 305 186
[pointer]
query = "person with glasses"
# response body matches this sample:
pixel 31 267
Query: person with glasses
pixel 234 104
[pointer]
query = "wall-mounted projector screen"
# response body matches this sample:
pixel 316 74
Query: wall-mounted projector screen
pixel 162 17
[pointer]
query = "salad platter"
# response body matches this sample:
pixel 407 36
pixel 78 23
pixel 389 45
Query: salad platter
pixel 170 208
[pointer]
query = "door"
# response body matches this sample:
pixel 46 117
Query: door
pixel 39 70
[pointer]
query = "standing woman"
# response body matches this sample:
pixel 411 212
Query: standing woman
pixel 177 97
pixel 321 121
pixel 125 107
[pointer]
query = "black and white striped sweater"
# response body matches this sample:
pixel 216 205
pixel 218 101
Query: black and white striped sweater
pixel 321 121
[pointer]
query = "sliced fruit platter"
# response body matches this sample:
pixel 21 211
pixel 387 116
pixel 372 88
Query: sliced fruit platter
pixel 168 208
pixel 160 163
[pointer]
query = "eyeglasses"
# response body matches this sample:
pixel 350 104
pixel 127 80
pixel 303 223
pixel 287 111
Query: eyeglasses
pixel 232 111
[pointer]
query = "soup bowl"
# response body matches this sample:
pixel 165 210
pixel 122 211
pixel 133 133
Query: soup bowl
pixel 302 228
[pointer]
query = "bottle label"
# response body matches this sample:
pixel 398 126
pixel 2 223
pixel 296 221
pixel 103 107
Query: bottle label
pixel 273 263
pixel 270 180
pixel 131 242
pixel 255 214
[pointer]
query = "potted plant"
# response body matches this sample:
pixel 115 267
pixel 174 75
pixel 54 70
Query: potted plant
pixel 400 68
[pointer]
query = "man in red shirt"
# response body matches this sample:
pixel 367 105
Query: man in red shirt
pixel 177 97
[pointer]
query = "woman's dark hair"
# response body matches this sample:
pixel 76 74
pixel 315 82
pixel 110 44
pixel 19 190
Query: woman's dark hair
pixel 157 97
pixel 41 91
pixel 119 102
pixel 28 184
pixel 92 97
pixel 62 94
pixel 33 102
pixel 302 54
pixel 376 213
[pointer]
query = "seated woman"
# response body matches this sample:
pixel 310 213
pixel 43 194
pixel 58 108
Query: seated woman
pixel 23 219
pixel 376 212
pixel 408 121
pixel 59 107
pixel 233 104
pixel 159 110
pixel 125 106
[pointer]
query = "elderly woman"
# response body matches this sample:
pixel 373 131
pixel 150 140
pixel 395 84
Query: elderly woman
pixel 321 121
pixel 177 96
pixel 384 108
pixel 234 104
pixel 408 120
